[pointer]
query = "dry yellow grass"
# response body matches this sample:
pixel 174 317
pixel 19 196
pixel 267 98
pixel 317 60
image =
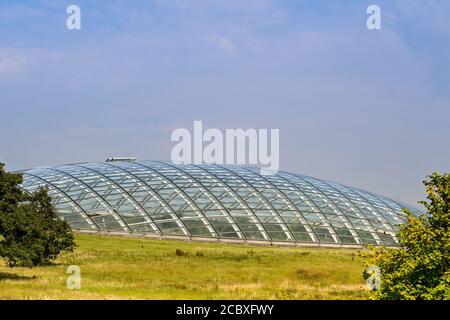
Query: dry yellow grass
pixel 130 268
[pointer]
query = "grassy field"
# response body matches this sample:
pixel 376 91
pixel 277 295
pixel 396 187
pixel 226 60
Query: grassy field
pixel 130 268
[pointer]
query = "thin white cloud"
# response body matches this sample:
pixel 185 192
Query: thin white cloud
pixel 11 62
pixel 222 43
pixel 17 61
pixel 230 5
pixel 20 12
pixel 432 15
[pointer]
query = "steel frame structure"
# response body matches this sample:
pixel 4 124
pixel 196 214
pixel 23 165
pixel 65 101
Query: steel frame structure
pixel 210 201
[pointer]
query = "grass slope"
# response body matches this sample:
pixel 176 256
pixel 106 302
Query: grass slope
pixel 130 268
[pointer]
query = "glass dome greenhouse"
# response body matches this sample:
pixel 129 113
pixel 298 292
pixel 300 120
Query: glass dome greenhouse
pixel 216 202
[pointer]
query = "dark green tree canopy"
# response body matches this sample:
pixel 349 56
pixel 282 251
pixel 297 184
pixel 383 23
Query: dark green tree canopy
pixel 30 232
pixel 10 193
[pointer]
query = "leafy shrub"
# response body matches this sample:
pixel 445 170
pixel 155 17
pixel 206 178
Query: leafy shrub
pixel 420 267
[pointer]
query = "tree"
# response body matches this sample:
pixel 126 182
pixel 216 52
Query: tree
pixel 10 193
pixel 31 233
pixel 420 267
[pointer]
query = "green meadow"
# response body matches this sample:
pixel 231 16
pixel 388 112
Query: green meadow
pixel 132 268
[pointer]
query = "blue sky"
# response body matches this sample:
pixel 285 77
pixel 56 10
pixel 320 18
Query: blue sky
pixel 366 108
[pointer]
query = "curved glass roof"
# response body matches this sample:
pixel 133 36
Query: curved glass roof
pixel 216 201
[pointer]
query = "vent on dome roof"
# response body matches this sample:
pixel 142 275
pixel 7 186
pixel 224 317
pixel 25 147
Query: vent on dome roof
pixel 112 159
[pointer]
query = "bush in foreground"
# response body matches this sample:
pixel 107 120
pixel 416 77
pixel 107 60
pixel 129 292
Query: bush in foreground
pixel 420 268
